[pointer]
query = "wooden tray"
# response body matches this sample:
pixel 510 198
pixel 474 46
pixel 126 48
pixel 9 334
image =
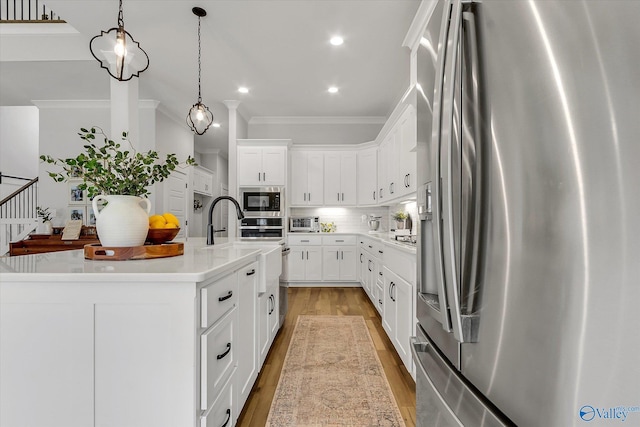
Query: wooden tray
pixel 97 252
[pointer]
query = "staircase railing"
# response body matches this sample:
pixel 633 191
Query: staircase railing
pixel 18 215
pixel 19 11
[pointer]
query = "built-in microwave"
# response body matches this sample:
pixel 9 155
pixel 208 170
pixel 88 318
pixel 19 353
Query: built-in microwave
pixel 262 201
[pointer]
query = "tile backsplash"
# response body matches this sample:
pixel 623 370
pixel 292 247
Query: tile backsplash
pixel 347 220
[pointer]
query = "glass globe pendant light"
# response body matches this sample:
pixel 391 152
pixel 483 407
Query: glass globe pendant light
pixel 118 53
pixel 200 117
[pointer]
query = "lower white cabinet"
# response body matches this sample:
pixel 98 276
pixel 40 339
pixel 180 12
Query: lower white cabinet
pixel 269 318
pixel 217 357
pixel 224 410
pixel 247 347
pixel 339 263
pixel 397 318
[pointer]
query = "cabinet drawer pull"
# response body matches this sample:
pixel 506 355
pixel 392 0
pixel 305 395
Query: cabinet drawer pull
pixel 381 252
pixel 226 297
pixel 221 356
pixel 370 247
pixel 251 272
pixel 228 418
pixel 339 240
pixel 379 273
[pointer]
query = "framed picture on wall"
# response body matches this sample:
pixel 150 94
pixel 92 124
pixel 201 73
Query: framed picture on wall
pixel 91 216
pixel 76 213
pixel 75 195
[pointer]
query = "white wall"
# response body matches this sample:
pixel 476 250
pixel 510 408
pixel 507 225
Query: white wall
pixel 318 134
pixel 19 134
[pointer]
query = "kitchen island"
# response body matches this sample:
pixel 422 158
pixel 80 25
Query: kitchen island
pixel 160 342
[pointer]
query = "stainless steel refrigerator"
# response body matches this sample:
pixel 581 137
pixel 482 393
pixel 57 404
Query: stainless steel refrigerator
pixel 528 297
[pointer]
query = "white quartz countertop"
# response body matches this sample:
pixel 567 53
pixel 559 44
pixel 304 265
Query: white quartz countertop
pixel 382 237
pixel 198 263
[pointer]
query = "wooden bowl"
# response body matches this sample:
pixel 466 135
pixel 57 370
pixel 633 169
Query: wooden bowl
pixel 158 236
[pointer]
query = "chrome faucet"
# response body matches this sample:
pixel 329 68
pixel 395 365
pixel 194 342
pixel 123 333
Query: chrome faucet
pixel 210 229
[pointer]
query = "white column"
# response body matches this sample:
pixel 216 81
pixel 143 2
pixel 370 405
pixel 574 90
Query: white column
pixel 232 105
pixel 124 110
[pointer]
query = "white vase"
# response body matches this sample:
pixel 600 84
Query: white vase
pixel 47 227
pixel 123 222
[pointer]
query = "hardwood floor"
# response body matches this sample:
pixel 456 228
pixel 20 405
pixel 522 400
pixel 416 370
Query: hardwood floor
pixel 324 301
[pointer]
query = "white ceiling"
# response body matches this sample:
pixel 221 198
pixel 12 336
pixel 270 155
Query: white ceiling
pixel 279 49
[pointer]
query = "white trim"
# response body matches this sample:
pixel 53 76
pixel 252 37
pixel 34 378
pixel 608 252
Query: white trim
pixel 87 103
pixel 316 120
pixel 37 28
pixel 333 147
pixel 419 23
pixel 264 142
pixel 395 114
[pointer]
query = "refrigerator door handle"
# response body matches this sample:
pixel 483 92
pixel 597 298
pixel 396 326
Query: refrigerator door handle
pixel 447 132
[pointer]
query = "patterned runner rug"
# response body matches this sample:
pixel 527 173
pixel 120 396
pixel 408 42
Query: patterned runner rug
pixel 332 377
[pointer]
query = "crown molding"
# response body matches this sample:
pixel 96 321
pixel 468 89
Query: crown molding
pixel 317 120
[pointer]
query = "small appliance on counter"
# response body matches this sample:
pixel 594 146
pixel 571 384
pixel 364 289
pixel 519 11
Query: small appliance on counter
pixel 304 224
pixel 373 223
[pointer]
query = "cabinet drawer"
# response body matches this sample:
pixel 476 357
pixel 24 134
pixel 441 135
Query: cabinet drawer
pixel 222 413
pixel 401 263
pixel 339 240
pixel 305 240
pixel 218 298
pixel 217 358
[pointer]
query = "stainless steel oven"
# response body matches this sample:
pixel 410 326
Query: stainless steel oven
pixel 263 228
pixel 262 201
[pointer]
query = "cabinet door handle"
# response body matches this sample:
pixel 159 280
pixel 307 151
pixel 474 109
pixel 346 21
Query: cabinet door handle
pixel 251 272
pixel 369 265
pixel 360 258
pixel 379 273
pixel 307 254
pixel 341 254
pixel 228 418
pixel 337 255
pixel 305 196
pixel 221 356
pixel 309 196
pixel 380 252
pixel 259 177
pixel 380 301
pixel 374 195
pixel 226 297
pixel 370 247
pixel 264 176
pixel 343 197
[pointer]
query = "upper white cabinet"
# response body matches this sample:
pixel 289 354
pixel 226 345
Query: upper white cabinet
pixel 408 133
pixel 397 158
pixel 202 181
pixel 367 180
pixel 262 166
pixel 307 179
pixel 340 178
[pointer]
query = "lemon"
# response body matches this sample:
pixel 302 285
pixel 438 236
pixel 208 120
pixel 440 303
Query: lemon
pixel 153 218
pixel 171 218
pixel 158 223
pixel 170 225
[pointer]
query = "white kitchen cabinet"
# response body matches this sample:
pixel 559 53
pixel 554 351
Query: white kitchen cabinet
pixel 307 178
pixel 367 180
pixel 339 263
pixel 340 177
pixel 305 263
pixel 398 314
pixel 383 165
pixel 261 166
pixel 268 320
pixel 247 354
pixel 202 181
pixel 408 132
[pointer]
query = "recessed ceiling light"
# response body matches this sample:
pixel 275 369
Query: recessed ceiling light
pixel 216 125
pixel 333 89
pixel 243 89
pixel 336 40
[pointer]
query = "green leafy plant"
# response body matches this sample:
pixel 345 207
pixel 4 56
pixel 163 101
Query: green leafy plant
pixel 44 214
pixel 399 216
pixel 110 169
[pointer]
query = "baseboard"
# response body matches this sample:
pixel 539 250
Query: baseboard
pixel 324 284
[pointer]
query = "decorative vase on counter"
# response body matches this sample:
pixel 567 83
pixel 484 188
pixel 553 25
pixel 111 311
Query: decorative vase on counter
pixel 47 227
pixel 399 225
pixel 123 222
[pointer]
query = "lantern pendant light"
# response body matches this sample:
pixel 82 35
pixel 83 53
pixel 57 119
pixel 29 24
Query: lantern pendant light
pixel 118 53
pixel 200 117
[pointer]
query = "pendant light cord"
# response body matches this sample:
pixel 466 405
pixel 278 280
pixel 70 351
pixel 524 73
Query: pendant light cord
pixel 199 64
pixel 120 15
